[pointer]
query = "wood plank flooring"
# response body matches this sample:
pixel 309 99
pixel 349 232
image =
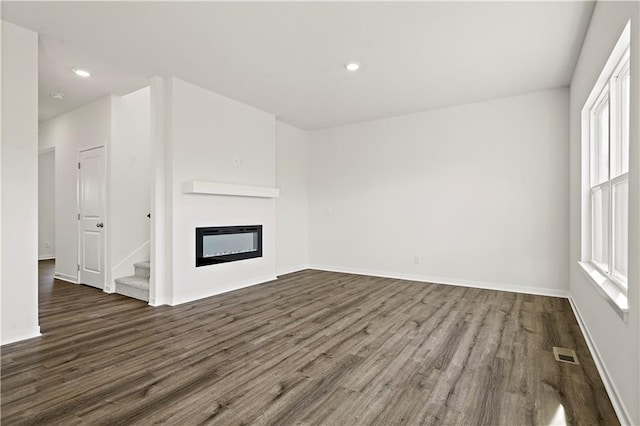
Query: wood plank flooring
pixel 310 348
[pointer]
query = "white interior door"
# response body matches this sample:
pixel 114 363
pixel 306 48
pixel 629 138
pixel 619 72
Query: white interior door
pixel 91 200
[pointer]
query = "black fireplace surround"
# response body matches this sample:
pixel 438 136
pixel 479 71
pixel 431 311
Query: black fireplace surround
pixel 221 244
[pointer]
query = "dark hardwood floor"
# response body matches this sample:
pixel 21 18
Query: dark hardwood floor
pixel 310 348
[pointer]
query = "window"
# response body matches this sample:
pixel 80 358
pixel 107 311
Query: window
pixel 606 142
pixel 609 174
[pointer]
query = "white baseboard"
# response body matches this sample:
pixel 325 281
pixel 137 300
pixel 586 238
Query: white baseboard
pixel 291 269
pixel 64 277
pixel 158 301
pixel 21 335
pixel 236 286
pixel 47 257
pixel 448 281
pixel 614 396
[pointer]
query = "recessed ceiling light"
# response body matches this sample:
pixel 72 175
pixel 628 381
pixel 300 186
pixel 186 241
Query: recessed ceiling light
pixel 352 66
pixel 82 73
pixel 57 95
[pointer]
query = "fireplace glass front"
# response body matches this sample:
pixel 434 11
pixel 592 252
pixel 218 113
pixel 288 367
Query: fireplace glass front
pixel 227 244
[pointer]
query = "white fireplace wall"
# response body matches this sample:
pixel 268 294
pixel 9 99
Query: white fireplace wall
pixel 212 138
pixel 191 283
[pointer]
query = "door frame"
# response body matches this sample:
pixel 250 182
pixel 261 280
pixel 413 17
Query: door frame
pixel 55 197
pixel 105 201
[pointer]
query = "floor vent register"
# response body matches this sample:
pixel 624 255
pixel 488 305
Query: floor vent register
pixel 565 355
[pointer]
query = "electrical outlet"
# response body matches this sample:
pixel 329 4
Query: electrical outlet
pixel 416 260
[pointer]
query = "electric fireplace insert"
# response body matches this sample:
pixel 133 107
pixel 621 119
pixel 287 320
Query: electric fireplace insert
pixel 221 244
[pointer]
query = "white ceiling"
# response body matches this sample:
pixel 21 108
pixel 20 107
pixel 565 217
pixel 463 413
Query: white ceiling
pixel 288 58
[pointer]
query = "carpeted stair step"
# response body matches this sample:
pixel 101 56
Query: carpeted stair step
pixel 142 269
pixel 133 286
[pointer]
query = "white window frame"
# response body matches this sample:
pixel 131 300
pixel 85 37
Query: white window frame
pixel 609 96
pixel 606 92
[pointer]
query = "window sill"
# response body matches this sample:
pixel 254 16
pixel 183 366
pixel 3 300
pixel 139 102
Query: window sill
pixel 607 289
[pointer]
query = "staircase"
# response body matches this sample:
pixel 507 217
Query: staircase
pixel 136 286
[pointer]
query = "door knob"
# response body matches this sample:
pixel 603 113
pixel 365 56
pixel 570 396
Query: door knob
pixel 100 225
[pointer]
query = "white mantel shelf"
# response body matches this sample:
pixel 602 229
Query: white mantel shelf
pixel 217 188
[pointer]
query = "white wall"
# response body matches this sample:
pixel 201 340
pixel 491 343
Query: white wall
pixel 213 138
pixel 617 344
pixel 477 192
pixel 84 127
pixel 46 205
pixel 129 189
pixel 292 207
pixel 160 289
pixel 19 287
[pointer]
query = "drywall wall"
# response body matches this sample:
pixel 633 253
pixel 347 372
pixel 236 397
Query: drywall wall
pixel 292 207
pixel 160 246
pixel 19 287
pixel 85 127
pixel 472 195
pixel 216 139
pixel 46 205
pixel 129 189
pixel 616 343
